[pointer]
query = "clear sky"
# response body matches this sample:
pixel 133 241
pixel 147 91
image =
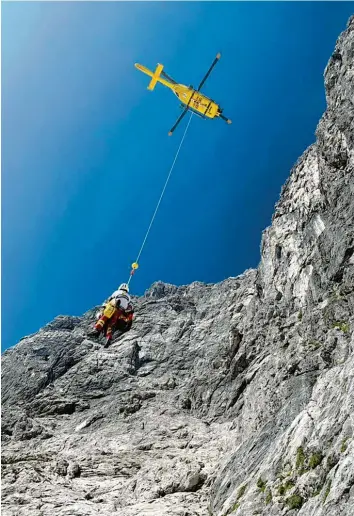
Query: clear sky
pixel 85 149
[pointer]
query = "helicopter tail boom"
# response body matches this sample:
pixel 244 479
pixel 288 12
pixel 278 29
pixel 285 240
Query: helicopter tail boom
pixel 155 76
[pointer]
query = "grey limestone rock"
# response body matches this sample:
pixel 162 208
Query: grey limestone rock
pixel 235 398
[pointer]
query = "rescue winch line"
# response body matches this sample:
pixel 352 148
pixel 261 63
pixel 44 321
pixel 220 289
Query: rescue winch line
pixel 135 265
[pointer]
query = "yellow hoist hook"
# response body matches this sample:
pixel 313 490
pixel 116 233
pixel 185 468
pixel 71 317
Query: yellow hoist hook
pixel 135 266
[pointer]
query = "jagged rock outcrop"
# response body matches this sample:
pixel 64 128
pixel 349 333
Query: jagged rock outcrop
pixel 236 398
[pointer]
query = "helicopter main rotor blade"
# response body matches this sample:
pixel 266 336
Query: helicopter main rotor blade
pixel 178 121
pixel 209 71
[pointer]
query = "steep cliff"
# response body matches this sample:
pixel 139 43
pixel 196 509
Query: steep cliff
pixel 235 398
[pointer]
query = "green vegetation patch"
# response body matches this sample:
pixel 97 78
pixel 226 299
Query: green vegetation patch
pixel 261 484
pixel 305 463
pixel 268 497
pixel 342 326
pixel 300 459
pixel 289 484
pixel 241 491
pixel 294 501
pixel 344 445
pixel 315 459
pixel 328 488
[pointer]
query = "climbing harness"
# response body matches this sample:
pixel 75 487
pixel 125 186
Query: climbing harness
pixel 135 265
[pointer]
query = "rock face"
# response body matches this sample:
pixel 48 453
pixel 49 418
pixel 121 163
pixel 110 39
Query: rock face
pixel 236 398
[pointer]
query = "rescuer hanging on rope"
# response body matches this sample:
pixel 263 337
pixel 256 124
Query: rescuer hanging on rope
pixel 115 314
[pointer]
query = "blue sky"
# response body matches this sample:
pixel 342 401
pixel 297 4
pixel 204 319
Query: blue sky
pixel 85 149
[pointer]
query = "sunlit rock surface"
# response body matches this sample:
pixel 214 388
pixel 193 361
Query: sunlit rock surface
pixel 236 398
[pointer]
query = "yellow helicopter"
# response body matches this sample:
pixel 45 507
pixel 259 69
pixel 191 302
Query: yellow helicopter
pixel 192 100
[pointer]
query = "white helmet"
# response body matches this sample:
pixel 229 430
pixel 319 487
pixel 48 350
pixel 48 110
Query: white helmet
pixel 124 286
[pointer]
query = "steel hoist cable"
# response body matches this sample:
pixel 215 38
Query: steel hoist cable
pixel 135 264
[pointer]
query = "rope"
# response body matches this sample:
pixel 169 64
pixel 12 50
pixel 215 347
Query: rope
pixel 161 196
